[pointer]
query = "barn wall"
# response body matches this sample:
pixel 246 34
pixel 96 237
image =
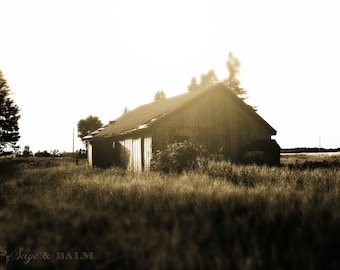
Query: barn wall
pixel 102 153
pixel 147 152
pixel 89 153
pixel 125 147
pixel 215 121
pixel 136 153
pixel 124 153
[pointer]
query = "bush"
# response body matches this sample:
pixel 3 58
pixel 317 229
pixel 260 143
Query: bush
pixel 42 154
pixel 177 157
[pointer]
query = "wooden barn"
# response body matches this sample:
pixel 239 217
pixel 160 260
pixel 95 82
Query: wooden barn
pixel 213 117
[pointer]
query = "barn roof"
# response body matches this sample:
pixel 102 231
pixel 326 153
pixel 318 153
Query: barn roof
pixel 144 116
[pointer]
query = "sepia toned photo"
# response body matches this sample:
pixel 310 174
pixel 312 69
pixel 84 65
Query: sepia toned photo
pixel 169 134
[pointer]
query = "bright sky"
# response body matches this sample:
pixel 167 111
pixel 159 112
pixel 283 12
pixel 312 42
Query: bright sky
pixel 67 59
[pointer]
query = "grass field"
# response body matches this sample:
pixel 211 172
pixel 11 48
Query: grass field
pixel 58 215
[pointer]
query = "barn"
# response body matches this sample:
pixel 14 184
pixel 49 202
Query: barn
pixel 211 116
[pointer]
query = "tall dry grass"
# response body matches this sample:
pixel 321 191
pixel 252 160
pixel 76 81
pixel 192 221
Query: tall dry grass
pixel 224 217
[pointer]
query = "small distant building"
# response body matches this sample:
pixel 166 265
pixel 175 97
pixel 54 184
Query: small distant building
pixel 212 116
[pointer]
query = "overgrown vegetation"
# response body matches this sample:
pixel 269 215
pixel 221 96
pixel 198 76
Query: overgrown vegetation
pixel 228 217
pixel 177 157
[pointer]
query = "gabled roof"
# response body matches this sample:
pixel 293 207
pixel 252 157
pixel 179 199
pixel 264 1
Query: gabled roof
pixel 144 116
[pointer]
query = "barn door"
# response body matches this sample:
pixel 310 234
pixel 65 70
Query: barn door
pixel 136 153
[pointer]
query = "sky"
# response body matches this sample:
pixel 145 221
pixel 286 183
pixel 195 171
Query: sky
pixel 67 59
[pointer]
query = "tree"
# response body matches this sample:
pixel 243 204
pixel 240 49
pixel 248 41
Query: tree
pixel 193 84
pixel 160 95
pixel 233 66
pixel 125 110
pixel 208 78
pixel 9 116
pixel 88 125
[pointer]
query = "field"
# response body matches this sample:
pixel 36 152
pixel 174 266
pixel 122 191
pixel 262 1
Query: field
pixel 55 214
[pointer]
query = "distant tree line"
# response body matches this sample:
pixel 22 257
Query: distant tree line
pixel 309 150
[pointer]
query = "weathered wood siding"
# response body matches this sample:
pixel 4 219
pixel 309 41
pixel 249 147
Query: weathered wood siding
pixel 136 153
pixel 125 152
pixel 147 152
pixel 89 154
pixel 215 121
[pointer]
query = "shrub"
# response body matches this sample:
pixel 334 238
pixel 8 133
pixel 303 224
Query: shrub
pixel 177 157
pixel 42 154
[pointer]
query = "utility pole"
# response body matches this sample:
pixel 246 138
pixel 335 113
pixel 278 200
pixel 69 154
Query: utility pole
pixel 319 143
